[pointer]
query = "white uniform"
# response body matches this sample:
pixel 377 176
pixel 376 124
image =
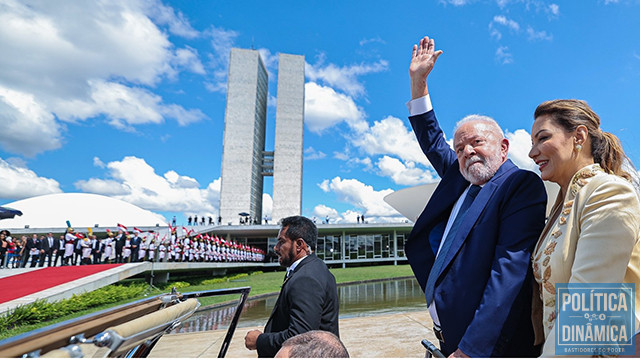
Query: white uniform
pixel 162 251
pixel 69 238
pixel 108 248
pixel 85 244
pixel 126 249
pixel 152 251
pixel 142 251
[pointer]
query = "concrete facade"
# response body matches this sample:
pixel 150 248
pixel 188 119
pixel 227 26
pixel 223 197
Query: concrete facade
pixel 288 152
pixel 244 160
pixel 244 136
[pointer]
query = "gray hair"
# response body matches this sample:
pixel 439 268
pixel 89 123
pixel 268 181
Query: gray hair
pixel 316 344
pixel 481 118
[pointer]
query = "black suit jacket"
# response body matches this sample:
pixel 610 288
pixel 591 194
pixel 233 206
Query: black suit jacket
pixel 308 301
pixel 44 245
pixel 30 244
pixel 119 243
pixel 49 249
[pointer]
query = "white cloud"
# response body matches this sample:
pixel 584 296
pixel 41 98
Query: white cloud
pixel 179 181
pixel 494 33
pixel 360 195
pixel 390 136
pixel 344 78
pixel 553 10
pixel 19 182
pixel 17 162
pixel 222 42
pixel 312 154
pixel 352 216
pixel 344 155
pixel 26 127
pixel 125 106
pixel 349 216
pixel 538 35
pixel 404 173
pixel 98 163
pixel 103 187
pixel 503 55
pixel 607 2
pixel 519 147
pixel 361 161
pixel 324 185
pixel 101 56
pixel 135 181
pixel 377 39
pixel 188 58
pixel 502 20
pixel 324 108
pixel 457 2
pixel 267 205
pixel 270 61
pixel 164 15
pixel 322 211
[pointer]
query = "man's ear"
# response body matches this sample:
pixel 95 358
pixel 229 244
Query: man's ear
pixel 504 148
pixel 301 245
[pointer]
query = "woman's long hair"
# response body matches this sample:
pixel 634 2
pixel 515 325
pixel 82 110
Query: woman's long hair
pixel 605 147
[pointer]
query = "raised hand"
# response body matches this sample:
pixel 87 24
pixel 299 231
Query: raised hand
pixel 423 58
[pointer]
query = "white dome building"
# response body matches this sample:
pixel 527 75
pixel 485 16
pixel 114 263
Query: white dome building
pixel 81 209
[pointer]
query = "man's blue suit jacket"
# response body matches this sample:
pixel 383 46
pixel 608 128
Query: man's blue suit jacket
pixel 483 295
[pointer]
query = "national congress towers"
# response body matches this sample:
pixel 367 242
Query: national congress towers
pixel 244 159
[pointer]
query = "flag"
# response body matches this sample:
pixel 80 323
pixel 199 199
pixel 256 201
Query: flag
pixel 135 229
pixel 122 227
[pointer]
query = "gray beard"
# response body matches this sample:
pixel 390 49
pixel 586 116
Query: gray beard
pixel 480 172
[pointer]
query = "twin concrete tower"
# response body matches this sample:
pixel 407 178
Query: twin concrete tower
pixel 245 162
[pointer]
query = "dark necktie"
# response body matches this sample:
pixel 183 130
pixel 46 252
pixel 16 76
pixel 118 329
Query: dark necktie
pixel 437 265
pixel 287 275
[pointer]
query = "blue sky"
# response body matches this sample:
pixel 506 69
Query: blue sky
pixel 127 98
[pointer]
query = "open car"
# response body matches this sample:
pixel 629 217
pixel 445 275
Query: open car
pixel 130 330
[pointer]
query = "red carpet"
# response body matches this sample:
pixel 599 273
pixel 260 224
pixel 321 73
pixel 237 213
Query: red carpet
pixel 17 286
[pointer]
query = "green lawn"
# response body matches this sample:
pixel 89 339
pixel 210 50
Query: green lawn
pixel 260 283
pixel 270 282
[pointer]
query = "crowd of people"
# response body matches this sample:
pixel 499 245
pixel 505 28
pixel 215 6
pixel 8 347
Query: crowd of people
pixel 75 248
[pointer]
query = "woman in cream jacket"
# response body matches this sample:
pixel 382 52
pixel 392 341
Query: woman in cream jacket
pixel 592 233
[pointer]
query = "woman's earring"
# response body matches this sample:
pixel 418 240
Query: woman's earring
pixel 578 147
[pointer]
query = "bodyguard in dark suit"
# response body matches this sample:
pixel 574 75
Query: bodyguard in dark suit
pixel 119 240
pixel 135 245
pixel 29 244
pixel 96 249
pixel 470 248
pixel 49 247
pixel 309 296
pixel 60 252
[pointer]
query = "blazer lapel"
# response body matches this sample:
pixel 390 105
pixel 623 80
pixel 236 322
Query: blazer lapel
pixel 282 289
pixel 474 212
pixel 440 204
